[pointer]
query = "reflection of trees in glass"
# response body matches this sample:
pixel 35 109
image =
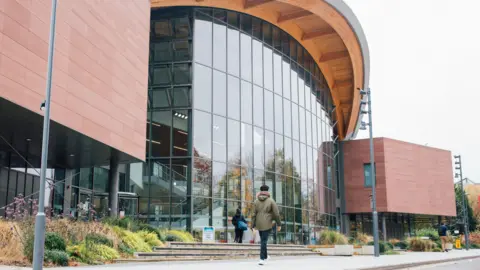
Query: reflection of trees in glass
pixel 202 175
pixel 279 164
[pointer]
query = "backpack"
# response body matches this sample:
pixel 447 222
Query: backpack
pixel 242 226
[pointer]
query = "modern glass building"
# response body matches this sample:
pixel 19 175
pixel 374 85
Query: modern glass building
pixel 239 94
pixel 235 103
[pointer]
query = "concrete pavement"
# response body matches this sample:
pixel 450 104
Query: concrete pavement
pixel 463 265
pixel 301 263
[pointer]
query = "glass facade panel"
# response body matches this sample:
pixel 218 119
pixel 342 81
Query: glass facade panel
pixel 234 133
pixel 233 97
pixel 254 122
pixel 219 93
pixel 233 52
pixel 294 83
pixel 203 41
pixel 247 145
pixel 202 136
pixel 246 102
pixel 161 127
pixel 258 106
pixel 202 88
pixel 269 110
pixel 286 78
pixel 219 138
pixel 257 63
pixel 287 118
pixel 269 151
pixel 278 114
pixel 219 177
pixel 268 68
pixel 277 73
pixel 220 46
pixel 258 148
pixel 246 57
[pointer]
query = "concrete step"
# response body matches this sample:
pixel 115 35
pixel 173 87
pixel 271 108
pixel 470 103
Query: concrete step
pixel 230 248
pixel 230 245
pixel 217 252
pixel 214 255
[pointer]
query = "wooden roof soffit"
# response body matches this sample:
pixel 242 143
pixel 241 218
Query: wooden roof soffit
pixel 288 16
pixel 254 3
pixel 318 33
pixel 343 83
pixel 333 56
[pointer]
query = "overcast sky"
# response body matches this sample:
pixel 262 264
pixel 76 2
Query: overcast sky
pixel 425 68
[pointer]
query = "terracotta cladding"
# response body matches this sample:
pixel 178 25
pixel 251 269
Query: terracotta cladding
pixel 411 178
pixel 100 74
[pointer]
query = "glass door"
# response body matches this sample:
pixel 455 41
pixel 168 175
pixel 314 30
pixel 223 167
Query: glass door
pixel 101 206
pixel 128 206
pixel 84 206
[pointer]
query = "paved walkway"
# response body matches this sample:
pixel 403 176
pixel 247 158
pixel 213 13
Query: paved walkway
pixel 463 265
pixel 300 263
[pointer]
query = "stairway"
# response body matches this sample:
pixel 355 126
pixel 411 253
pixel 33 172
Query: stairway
pixel 199 251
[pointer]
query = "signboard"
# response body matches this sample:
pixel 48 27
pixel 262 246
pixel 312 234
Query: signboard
pixel 157 212
pixel 208 235
pixel 122 214
pixel 458 245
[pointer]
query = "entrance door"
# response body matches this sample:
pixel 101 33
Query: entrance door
pixel 128 206
pixel 101 205
pixel 84 206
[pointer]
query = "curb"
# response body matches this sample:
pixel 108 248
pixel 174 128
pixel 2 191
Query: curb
pixel 408 265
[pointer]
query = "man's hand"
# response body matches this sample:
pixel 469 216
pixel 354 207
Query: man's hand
pixel 279 228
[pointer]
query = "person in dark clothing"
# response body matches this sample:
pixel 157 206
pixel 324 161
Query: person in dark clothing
pixel 238 231
pixel 265 212
pixel 442 232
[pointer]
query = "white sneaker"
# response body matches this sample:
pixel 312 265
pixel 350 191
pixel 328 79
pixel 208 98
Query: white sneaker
pixel 261 262
pixel 268 258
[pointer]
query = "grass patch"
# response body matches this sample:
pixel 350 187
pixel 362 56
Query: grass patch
pixel 391 252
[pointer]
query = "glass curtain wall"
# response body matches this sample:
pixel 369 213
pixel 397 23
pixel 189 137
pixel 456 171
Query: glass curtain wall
pixel 162 183
pixel 262 114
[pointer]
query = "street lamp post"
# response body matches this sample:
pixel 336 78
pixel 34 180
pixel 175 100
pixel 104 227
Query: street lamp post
pixel 372 169
pixel 40 219
pixel 458 161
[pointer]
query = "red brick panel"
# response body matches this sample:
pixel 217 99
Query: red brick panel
pixel 411 178
pixel 357 196
pixel 419 179
pixel 100 65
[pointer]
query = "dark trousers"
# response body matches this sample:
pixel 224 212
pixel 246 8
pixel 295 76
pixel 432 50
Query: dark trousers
pixel 263 244
pixel 238 236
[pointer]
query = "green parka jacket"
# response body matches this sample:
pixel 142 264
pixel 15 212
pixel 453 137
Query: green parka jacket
pixel 265 212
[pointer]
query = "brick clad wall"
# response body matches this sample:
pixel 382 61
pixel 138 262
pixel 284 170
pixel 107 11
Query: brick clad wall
pixel 356 154
pixel 419 179
pixel 100 65
pixel 411 178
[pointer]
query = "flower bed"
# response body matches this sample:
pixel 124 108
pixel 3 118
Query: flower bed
pixel 71 242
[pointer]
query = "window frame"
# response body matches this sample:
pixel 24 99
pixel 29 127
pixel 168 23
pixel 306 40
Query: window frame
pixel 365 166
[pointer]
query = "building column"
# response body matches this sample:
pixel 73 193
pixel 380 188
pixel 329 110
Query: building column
pixel 67 194
pixel 384 226
pixel 114 184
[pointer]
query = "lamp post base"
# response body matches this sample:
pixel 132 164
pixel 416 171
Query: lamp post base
pixel 39 244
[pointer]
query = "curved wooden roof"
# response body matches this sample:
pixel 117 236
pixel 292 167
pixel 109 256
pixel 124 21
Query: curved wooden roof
pixel 328 30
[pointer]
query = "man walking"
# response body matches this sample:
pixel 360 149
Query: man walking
pixel 265 212
pixel 442 232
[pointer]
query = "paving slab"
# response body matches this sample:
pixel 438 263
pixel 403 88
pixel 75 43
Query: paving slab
pixel 288 263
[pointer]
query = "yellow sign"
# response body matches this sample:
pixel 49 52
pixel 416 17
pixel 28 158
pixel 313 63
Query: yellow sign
pixel 458 244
